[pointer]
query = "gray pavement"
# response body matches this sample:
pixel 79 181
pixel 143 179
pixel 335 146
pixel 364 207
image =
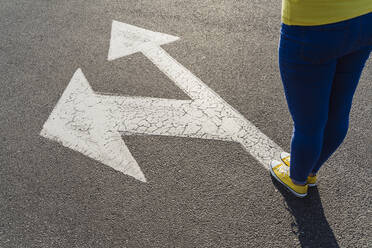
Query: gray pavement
pixel 200 193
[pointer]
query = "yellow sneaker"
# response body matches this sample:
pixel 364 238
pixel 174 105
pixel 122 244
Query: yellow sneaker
pixel 285 157
pixel 281 173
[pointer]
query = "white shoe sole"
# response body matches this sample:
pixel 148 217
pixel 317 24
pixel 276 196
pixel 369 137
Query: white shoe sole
pixel 291 190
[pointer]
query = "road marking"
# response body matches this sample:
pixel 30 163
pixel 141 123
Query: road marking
pixel 92 124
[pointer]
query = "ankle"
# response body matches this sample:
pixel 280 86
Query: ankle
pixel 295 182
pixel 299 184
pixel 312 174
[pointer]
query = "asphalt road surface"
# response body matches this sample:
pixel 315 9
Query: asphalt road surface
pixel 199 192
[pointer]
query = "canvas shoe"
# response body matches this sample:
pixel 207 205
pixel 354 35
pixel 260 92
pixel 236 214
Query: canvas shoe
pixel 285 157
pixel 281 173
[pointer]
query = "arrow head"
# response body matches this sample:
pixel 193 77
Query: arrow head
pixel 128 39
pixel 80 121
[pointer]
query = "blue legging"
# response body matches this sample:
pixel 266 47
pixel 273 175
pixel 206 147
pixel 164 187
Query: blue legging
pixel 320 67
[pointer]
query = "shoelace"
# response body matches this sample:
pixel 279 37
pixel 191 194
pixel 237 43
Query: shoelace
pixel 283 170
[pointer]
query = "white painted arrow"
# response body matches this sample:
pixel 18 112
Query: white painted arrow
pixel 92 124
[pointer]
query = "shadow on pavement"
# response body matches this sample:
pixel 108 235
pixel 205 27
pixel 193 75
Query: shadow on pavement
pixel 309 222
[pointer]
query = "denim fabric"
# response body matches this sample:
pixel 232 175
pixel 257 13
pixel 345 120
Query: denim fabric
pixel 320 67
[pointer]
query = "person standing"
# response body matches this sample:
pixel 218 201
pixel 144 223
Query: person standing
pixel 323 48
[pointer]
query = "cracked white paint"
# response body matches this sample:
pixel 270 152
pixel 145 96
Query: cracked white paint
pixel 93 124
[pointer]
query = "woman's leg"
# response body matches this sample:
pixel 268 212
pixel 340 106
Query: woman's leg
pixel 307 88
pixel 348 71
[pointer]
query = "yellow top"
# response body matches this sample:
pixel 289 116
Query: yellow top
pixel 318 12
